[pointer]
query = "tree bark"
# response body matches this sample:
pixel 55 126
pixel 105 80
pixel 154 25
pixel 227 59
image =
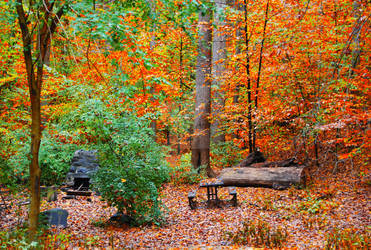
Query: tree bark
pixel 277 178
pixel 201 140
pixel 35 86
pixel 260 67
pixel 239 7
pixel 249 100
pixel 357 51
pixel 219 56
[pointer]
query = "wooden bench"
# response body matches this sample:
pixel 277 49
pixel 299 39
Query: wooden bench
pixel 212 194
pixel 232 191
pixel 191 199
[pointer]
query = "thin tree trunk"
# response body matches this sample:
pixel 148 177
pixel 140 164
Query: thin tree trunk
pixel 357 51
pixel 249 100
pixel 152 45
pixel 201 140
pixel 239 7
pixel 35 86
pixel 219 56
pixel 260 66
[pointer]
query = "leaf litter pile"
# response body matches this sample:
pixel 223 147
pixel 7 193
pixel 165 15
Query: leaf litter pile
pixel 307 215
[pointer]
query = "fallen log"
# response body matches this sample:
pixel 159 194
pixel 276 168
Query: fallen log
pixel 277 178
pixel 291 162
pixel 254 157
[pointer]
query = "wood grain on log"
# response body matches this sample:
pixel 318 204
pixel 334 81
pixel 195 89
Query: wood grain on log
pixel 278 178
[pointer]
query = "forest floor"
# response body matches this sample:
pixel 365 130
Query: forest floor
pixel 308 215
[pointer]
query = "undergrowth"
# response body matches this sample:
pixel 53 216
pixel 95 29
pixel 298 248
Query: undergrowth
pixel 258 233
pixel 347 239
pixel 46 239
pixel 184 173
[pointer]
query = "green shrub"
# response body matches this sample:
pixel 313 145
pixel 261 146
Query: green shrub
pixel 185 173
pixel 258 233
pixel 132 165
pixel 132 168
pixel 54 159
pixel 225 154
pixel 347 239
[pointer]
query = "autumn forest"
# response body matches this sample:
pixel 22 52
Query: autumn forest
pixel 185 123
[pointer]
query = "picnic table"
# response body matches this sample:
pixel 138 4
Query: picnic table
pixel 212 193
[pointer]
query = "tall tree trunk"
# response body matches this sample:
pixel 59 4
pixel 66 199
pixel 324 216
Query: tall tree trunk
pixel 239 8
pixel 219 56
pixel 249 108
pixel 152 45
pixel 201 140
pixel 35 86
pixel 357 51
pixel 260 67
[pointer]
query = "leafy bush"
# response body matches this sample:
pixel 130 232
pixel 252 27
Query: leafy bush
pixel 258 233
pixel 185 173
pixel 54 158
pixel 132 169
pixel 347 239
pixel 225 154
pixel 132 166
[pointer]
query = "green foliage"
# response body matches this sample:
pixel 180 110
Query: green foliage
pixel 347 239
pixel 185 173
pixel 132 166
pixel 258 233
pixel 6 175
pixel 225 154
pixel 18 239
pixel 266 202
pixel 315 205
pixel 54 158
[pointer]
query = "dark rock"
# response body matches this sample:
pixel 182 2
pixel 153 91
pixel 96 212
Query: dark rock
pixel 54 217
pixel 121 218
pixel 69 197
pixel 82 170
pixel 73 169
pixel 83 165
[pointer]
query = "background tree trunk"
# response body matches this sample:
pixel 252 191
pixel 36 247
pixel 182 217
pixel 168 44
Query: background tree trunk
pixel 249 100
pixel 201 140
pixel 219 56
pixel 260 68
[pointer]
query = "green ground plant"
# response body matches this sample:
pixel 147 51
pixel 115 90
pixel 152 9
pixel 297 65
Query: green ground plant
pixel 258 233
pixel 348 239
pixel 184 173
pixel 224 154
